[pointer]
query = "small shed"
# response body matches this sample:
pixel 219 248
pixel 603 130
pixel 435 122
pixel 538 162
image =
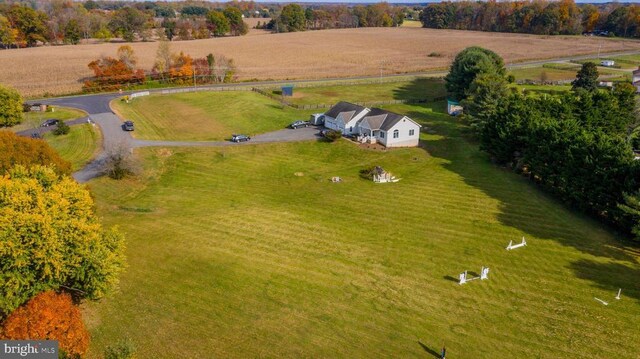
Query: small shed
pixel 287 90
pixel 317 119
pixel 607 63
pixel 454 108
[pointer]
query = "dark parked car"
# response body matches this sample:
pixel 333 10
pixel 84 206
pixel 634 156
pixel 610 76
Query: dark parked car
pixel 50 122
pixel 240 138
pixel 299 124
pixel 36 135
pixel 127 126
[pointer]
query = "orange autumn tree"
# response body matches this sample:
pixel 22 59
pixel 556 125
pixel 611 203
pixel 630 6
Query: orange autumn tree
pixel 181 70
pixel 49 316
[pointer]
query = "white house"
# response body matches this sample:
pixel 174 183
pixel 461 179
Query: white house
pixel 389 129
pixel 344 117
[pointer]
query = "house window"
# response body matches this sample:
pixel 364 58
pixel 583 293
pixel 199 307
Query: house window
pixel 351 129
pixel 396 133
pixel 381 134
pixel 411 132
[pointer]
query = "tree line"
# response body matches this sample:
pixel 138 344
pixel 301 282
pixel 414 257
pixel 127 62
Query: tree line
pixel 115 73
pixel 535 17
pixel 294 17
pixel 68 22
pixel 577 145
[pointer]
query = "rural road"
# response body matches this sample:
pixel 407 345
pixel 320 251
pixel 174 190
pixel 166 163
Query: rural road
pixel 97 106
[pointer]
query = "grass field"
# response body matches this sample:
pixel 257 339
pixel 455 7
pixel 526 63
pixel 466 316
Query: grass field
pixel 206 116
pixel 559 72
pixel 79 146
pixel 420 88
pixel 299 55
pixel 35 118
pixel 231 254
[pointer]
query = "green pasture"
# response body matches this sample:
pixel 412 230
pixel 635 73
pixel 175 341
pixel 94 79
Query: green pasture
pixel 33 119
pixel 251 251
pixel 418 89
pixel 79 146
pixel 206 116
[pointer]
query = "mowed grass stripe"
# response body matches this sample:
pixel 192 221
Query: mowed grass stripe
pixel 280 265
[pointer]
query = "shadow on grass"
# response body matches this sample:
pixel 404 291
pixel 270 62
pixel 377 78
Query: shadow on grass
pixel 610 277
pixel 448 277
pixel 520 201
pixel 420 88
pixel 429 350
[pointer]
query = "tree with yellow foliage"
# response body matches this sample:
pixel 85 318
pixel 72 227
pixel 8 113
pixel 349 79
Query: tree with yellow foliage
pixel 50 238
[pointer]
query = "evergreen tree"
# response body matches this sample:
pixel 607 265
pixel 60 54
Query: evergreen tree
pixel 468 64
pixel 587 77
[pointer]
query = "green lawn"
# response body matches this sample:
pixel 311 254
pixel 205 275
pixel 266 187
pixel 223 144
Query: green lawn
pixel 35 118
pixel 232 255
pixel 411 23
pixel 559 72
pixel 79 146
pixel 206 116
pixel 420 88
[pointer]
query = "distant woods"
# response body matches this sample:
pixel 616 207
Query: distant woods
pixel 563 17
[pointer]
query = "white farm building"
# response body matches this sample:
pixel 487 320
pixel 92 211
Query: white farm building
pixel 373 125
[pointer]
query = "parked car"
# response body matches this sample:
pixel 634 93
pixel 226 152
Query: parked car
pixel 36 135
pixel 299 124
pixel 127 126
pixel 50 122
pixel 240 138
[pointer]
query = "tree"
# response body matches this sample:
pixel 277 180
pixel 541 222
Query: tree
pixel 128 22
pixel 127 56
pixel 49 316
pixel 169 28
pixel 29 23
pixel 630 208
pixel 10 107
pixel 291 18
pixel 218 23
pixel 468 64
pixel 17 150
pixel 72 33
pixel 236 24
pixel 51 239
pixel 163 59
pixel 485 94
pixel 8 34
pixel 587 78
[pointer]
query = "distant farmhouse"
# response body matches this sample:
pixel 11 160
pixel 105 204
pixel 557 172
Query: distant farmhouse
pixel 373 125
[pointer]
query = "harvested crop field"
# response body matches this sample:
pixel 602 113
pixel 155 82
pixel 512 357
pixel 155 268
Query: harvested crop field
pixel 312 54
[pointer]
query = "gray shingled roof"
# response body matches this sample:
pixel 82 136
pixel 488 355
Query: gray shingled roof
pixel 380 119
pixel 346 116
pixel 343 107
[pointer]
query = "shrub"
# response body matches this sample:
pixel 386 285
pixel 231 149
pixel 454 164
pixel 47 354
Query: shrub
pixel 120 163
pixel 333 135
pixel 49 316
pixel 16 150
pixel 435 54
pixel 61 129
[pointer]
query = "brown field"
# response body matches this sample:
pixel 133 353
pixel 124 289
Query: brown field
pixel 312 54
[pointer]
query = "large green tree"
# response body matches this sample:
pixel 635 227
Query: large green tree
pixel 218 23
pixel 587 77
pixel 484 96
pixel 10 107
pixel 291 19
pixel 468 64
pixel 50 237
pixel 236 24
pixel 72 32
